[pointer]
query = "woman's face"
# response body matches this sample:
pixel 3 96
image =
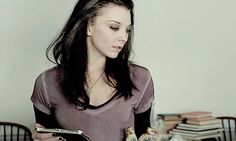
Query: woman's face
pixel 108 32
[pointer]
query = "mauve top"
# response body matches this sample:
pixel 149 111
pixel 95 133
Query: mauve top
pixel 106 122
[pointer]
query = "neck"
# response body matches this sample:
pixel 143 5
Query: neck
pixel 96 60
pixel 96 65
pixel 95 71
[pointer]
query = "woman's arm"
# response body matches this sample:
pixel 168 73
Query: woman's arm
pixel 44 120
pixel 47 121
pixel 142 122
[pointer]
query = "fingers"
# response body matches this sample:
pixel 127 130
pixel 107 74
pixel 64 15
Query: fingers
pixel 38 125
pixel 51 139
pixel 37 135
pixel 45 136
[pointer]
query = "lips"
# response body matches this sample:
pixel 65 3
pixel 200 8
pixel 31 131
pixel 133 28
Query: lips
pixel 117 48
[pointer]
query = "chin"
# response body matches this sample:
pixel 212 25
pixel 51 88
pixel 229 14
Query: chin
pixel 113 55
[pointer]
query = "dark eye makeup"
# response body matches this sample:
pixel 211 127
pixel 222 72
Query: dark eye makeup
pixel 115 28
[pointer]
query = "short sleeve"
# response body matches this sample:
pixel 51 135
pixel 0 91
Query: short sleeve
pixel 146 99
pixel 39 97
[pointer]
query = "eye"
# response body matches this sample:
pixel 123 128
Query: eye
pixel 129 30
pixel 114 28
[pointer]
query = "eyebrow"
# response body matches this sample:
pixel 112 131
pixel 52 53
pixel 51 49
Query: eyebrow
pixel 114 21
pixel 129 26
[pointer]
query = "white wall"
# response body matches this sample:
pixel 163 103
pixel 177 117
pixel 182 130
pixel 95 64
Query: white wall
pixel 189 47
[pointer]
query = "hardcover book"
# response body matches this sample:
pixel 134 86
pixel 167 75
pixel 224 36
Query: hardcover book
pixel 198 137
pixel 198 127
pixel 169 116
pixel 203 132
pixel 196 114
pixel 168 122
pixel 203 118
pixel 204 122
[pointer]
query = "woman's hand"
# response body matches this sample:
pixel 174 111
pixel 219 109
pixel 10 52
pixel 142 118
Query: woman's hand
pixel 45 136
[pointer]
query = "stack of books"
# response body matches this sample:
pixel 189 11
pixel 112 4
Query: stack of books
pixel 198 125
pixel 170 121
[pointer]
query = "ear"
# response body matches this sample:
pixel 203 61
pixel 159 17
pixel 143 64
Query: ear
pixel 89 29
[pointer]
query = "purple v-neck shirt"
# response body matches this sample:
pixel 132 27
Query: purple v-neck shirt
pixel 106 122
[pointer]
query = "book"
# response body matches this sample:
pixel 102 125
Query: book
pixel 203 118
pixel 203 132
pixel 183 134
pixel 204 122
pixel 168 127
pixel 196 136
pixel 168 122
pixel 198 127
pixel 169 116
pixel 203 137
pixel 206 136
pixel 196 114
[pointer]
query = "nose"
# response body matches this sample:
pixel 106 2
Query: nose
pixel 124 36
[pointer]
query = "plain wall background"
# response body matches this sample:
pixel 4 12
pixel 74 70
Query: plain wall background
pixel 189 47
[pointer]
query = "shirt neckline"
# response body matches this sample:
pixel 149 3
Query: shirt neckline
pixel 101 105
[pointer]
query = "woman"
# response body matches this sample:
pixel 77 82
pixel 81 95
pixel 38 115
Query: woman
pixel 94 87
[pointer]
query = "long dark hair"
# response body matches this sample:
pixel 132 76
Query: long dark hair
pixel 70 53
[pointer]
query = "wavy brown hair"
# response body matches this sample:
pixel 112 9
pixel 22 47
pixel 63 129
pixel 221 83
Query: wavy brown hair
pixel 69 51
